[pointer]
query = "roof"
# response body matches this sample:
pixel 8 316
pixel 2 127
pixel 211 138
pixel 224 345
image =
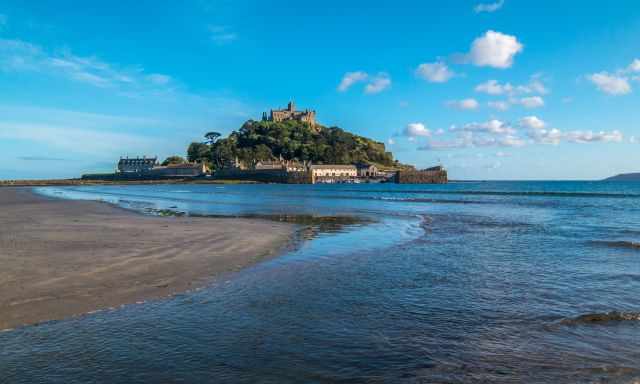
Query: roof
pixel 187 165
pixel 333 166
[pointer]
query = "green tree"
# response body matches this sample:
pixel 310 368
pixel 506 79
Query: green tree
pixel 198 153
pixel 211 137
pixel 171 160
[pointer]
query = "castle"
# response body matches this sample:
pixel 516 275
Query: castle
pixel 291 114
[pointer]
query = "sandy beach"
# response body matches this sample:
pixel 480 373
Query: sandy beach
pixel 63 258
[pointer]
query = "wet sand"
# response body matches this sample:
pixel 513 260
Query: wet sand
pixel 61 258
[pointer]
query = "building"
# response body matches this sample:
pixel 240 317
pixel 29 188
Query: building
pixel 137 165
pixel 148 167
pixel 180 170
pixel 367 170
pixel 281 164
pixel 332 171
pixel 290 113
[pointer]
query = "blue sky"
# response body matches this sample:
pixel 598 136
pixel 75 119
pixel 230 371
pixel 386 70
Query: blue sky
pixel 492 89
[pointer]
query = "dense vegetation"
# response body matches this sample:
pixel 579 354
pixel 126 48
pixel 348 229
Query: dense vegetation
pixel 266 140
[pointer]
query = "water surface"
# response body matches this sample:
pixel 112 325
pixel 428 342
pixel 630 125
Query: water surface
pixel 469 282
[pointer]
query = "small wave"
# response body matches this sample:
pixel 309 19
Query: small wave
pixel 600 318
pixel 504 193
pixel 618 244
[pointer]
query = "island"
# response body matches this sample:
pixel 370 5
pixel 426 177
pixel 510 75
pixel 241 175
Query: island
pixel 285 146
pixel 625 177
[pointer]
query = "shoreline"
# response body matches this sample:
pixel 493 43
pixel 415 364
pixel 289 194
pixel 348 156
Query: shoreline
pixel 77 182
pixel 64 258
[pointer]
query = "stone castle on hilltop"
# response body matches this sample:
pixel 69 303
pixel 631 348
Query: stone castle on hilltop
pixel 290 113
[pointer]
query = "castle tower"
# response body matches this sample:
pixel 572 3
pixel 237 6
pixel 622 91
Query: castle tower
pixel 291 106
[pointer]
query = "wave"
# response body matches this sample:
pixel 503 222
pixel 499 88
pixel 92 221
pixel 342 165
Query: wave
pixel 601 318
pixel 618 244
pixel 504 193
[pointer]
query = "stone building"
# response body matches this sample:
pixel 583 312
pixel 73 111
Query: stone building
pixel 290 113
pixel 367 170
pixel 137 165
pixel 333 170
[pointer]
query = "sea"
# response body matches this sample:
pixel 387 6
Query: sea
pixel 470 282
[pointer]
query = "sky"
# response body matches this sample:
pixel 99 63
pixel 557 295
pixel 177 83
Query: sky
pixel 509 89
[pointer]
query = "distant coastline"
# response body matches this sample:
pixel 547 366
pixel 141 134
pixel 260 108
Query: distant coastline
pixel 625 177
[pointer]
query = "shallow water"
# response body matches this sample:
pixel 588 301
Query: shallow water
pixel 469 282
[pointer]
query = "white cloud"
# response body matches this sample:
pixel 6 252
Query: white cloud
pixel 351 78
pixel 439 132
pixel 538 131
pixel 492 126
pixel 611 83
pixel 21 56
pixel 634 66
pixel 532 122
pixel 378 83
pixel 391 141
pixel 414 130
pixel 530 102
pixel 589 136
pixel 499 105
pixel 437 72
pixel 488 7
pixel 633 140
pixel 494 49
pixel 465 104
pixel 221 34
pixel 494 87
pixel 470 140
pixel 375 84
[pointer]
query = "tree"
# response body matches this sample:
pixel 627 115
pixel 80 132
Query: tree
pixel 171 160
pixel 211 137
pixel 198 153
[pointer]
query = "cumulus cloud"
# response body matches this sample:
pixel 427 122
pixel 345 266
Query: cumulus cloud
pixel 530 102
pixel 351 78
pixel 499 105
pixel 538 131
pixel 437 72
pixel 465 104
pixel 492 126
pixel 494 87
pixel 590 137
pixel 532 122
pixel 414 130
pixel 488 7
pixel 471 140
pixel 634 66
pixel 375 84
pixel 378 83
pixel 494 49
pixel 610 83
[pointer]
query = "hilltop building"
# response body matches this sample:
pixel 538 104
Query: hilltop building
pixel 290 113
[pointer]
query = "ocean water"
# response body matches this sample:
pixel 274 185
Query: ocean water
pixel 505 282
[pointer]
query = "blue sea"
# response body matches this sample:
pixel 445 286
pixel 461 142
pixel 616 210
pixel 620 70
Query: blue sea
pixel 501 282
